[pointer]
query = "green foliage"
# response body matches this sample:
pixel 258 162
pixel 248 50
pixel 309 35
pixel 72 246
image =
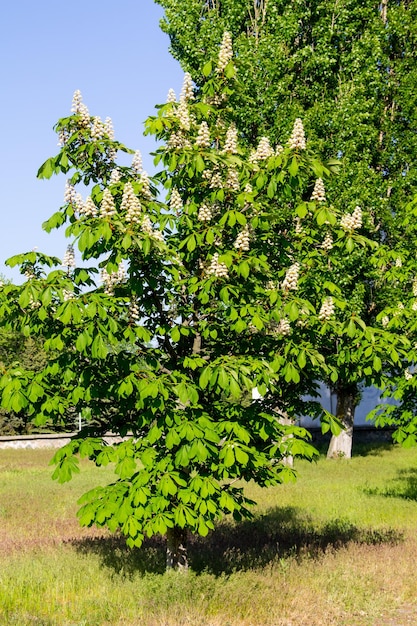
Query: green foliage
pixel 221 289
pixel 350 73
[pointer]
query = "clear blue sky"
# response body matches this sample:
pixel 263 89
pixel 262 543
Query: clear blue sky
pixel 115 53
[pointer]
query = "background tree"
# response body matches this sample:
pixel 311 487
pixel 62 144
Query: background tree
pixel 349 70
pixel 201 300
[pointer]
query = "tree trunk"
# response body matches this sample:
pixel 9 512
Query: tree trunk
pixel 341 445
pixel 177 549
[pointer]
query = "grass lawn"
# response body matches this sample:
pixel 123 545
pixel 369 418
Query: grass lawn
pixel 337 547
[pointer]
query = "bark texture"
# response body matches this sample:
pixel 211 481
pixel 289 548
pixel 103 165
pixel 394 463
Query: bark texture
pixel 341 445
pixel 177 548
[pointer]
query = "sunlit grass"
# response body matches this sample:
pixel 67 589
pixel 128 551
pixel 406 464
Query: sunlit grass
pixel 335 547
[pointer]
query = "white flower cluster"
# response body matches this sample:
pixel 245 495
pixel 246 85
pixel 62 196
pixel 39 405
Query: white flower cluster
pixel 184 115
pixel 351 221
pixel 146 185
pixel 327 309
pixel 134 315
pixel 297 141
pixel 187 91
pixel 113 279
pixel 204 213
pixel 398 262
pixel 415 287
pixel 115 176
pixel 68 295
pixel 171 97
pixel 278 150
pixel 97 129
pixel 69 257
pixel 232 180
pixel 63 137
pixel 407 374
pixel 88 208
pixel 79 108
pixel 225 52
pixel 243 240
pixel 319 192
pixel 175 201
pixel 263 151
pixel 248 188
pixel 385 321
pixel 130 203
pixel 290 282
pixel 107 207
pixel 230 145
pixel 178 140
pixel 283 327
pixel 148 229
pixel 215 180
pixel 70 194
pixel 327 242
pixel 203 137
pixel 298 228
pixel 217 269
pixel 414 306
pixel 137 164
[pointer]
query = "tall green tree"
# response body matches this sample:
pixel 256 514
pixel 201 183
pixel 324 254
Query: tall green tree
pixel 181 308
pixel 349 70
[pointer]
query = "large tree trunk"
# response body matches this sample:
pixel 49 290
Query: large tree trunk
pixel 177 548
pixel 341 445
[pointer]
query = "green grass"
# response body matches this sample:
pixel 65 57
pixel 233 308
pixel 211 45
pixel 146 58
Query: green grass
pixel 336 547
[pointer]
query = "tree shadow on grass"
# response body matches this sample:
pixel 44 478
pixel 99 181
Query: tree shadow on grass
pixel 403 486
pixel 279 534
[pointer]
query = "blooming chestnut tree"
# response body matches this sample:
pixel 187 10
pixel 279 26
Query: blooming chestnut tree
pixel 196 287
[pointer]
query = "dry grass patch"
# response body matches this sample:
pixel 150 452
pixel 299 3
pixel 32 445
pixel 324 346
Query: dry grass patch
pixel 337 547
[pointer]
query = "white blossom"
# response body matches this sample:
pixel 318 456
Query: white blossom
pixel 290 282
pixel 115 176
pixel 352 221
pixel 187 91
pixel 297 139
pixel 107 207
pixel 204 213
pixel 217 269
pixel 327 243
pixel 283 327
pixel 225 52
pixel 175 201
pixel 134 315
pixel 327 309
pixel 108 128
pixel 184 115
pixel 263 151
pixel 146 185
pixel 178 140
pixel 298 227
pixel 88 209
pixel 385 321
pixel 407 374
pixel 111 280
pixel 415 287
pixel 69 257
pixel 131 204
pixel 319 192
pixel 232 180
pixel 171 97
pixel 230 145
pixel 97 130
pixel 203 137
pixel 70 193
pixel 216 181
pixel 137 164
pixel 398 262
pixel 243 240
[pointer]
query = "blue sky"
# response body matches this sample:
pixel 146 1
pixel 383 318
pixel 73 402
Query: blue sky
pixel 115 53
